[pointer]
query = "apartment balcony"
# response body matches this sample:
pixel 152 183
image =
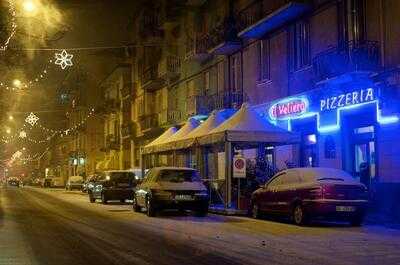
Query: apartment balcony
pixel 112 142
pixel 171 13
pixel 175 116
pixel 128 129
pixel 203 105
pixel 149 122
pixel 226 100
pixel 222 39
pixel 128 90
pixel 150 26
pixel 151 79
pixel 195 3
pixel 263 16
pixel 197 105
pixel 169 67
pixel 109 106
pixel 354 57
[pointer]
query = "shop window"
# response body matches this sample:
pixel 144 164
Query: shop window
pixel 264 60
pixel 300 45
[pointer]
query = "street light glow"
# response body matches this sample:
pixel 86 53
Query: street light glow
pixel 8 130
pixel 11 118
pixel 17 83
pixel 29 6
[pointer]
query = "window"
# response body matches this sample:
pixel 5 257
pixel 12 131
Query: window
pixel 207 82
pixel 276 181
pixel 264 60
pixel 236 72
pixel 178 176
pixel 300 45
pixel 358 23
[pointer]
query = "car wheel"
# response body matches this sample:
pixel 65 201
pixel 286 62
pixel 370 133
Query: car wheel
pixel 356 221
pixel 299 216
pixel 122 200
pixel 255 211
pixel 91 198
pixel 151 211
pixel 135 206
pixel 103 198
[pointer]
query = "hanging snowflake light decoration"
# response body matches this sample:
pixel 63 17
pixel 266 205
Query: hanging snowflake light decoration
pixel 32 119
pixel 63 59
pixel 22 134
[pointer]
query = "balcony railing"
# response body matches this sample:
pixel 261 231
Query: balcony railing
pixel 149 122
pixel 262 16
pixel 128 90
pixel 151 79
pixel 112 142
pixel 169 67
pixel 174 116
pixel 205 104
pixel 128 129
pixel 171 12
pixel 353 57
pixel 222 39
pixel 150 25
pixel 226 100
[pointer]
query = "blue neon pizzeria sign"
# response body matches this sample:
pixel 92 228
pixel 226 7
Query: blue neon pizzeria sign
pixel 347 99
pixel 327 108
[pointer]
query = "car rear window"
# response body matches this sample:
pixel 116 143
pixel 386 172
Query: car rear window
pixel 179 176
pixel 122 177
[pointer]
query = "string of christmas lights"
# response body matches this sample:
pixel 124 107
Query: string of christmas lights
pixel 13 26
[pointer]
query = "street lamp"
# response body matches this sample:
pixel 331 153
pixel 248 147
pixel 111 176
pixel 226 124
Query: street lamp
pixel 10 118
pixel 8 130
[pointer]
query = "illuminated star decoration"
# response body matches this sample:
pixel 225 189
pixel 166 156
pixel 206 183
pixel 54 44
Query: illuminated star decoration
pixel 63 59
pixel 22 134
pixel 31 119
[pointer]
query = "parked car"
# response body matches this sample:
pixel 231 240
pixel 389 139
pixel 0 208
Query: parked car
pixel 113 185
pixel 14 182
pixel 74 183
pixel 307 193
pixel 171 188
pixel 89 183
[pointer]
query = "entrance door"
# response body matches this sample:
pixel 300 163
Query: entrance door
pixel 364 154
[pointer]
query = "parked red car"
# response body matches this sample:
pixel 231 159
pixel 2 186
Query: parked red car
pixel 306 193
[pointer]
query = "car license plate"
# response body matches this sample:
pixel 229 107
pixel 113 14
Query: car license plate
pixel 345 208
pixel 183 197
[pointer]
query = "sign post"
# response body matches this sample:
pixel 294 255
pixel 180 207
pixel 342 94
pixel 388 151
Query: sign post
pixel 239 171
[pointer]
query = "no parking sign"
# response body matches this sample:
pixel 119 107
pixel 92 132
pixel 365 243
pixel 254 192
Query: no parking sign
pixel 239 167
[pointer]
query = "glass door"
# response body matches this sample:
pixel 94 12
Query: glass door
pixel 364 155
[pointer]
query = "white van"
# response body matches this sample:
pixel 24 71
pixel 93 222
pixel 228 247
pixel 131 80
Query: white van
pixel 74 183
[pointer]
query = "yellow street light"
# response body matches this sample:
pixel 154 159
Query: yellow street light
pixel 8 130
pixel 29 6
pixel 17 83
pixel 11 118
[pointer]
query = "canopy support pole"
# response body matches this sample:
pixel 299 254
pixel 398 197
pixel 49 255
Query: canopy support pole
pixel 228 174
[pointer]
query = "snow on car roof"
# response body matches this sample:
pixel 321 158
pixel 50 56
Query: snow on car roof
pixel 313 173
pixel 173 168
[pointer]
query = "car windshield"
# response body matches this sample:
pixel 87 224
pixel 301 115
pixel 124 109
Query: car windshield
pixel 179 176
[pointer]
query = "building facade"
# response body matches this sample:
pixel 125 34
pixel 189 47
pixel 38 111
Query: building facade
pixel 325 69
